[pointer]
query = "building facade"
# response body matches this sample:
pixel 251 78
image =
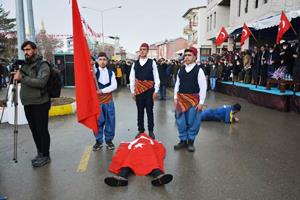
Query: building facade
pixel 250 11
pixel 195 31
pixel 217 15
pixel 169 48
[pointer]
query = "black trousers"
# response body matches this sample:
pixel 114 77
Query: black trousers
pixel 264 75
pixel 37 117
pixel 143 101
pixel 126 171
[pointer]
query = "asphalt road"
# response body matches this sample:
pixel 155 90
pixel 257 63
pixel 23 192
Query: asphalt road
pixel 258 158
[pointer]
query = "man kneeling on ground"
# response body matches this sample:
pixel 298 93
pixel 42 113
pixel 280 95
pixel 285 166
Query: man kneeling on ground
pixel 143 156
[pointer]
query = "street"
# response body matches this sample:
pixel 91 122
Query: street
pixel 258 158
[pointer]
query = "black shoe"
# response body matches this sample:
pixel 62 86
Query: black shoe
pixel 182 144
pixel 41 161
pixel 110 145
pixel 116 181
pixel 162 179
pixel 36 157
pixel 151 134
pixel 190 146
pixel 97 146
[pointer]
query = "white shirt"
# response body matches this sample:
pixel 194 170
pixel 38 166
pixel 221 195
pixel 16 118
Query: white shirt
pixel 201 82
pixel 104 79
pixel 155 75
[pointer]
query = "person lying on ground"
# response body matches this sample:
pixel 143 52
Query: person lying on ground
pixel 143 156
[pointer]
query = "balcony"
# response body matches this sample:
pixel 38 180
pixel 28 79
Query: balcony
pixel 194 23
pixel 188 29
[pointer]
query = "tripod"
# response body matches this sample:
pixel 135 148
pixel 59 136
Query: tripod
pixel 14 101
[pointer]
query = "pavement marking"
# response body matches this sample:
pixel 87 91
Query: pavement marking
pixel 85 159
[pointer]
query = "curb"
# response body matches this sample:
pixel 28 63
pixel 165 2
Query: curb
pixel 62 110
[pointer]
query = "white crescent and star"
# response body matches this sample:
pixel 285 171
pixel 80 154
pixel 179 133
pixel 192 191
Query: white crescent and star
pixel 244 33
pixel 222 35
pixel 136 141
pixel 139 145
pixel 283 24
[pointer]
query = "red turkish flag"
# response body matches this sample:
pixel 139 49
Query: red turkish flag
pixel 88 109
pixel 223 35
pixel 246 32
pixel 141 155
pixel 284 26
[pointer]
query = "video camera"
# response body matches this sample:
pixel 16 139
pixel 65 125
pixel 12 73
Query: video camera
pixel 16 65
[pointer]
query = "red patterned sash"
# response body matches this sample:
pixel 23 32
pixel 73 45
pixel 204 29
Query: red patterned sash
pixel 142 86
pixel 105 98
pixel 186 101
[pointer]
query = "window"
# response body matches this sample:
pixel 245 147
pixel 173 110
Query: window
pixel 256 3
pixel 210 22
pixel 195 20
pixel 207 24
pixel 246 7
pixel 239 8
pixel 215 19
pixel 195 36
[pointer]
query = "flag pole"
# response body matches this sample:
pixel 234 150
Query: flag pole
pixel 293 29
pixel 94 76
pixel 254 37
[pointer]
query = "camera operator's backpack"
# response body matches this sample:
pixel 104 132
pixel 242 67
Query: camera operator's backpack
pixel 54 82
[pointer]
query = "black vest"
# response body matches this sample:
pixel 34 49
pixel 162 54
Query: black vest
pixel 189 80
pixel 101 86
pixel 144 72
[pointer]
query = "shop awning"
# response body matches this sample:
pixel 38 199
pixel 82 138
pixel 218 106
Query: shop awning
pixel 266 22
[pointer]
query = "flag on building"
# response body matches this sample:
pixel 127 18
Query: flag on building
pixel 223 35
pixel 284 26
pixel 246 32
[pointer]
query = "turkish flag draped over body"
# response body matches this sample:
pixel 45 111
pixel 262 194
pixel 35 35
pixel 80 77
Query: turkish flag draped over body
pixel 88 109
pixel 246 32
pixel 141 155
pixel 223 35
pixel 284 26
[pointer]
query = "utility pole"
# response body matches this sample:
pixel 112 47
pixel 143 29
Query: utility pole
pixel 31 21
pixel 20 26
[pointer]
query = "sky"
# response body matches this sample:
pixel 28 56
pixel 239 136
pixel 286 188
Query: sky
pixel 136 22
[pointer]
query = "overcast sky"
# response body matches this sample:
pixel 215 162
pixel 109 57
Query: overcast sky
pixel 136 22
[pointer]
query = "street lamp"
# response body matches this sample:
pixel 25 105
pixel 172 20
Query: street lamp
pixel 101 12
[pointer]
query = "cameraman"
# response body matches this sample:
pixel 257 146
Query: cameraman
pixel 33 77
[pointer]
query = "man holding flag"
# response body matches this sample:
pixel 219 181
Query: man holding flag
pixel 107 83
